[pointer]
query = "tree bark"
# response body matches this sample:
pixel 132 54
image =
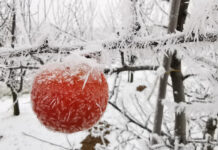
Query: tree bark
pixel 182 14
pixel 177 80
pixel 15 102
pixel 161 95
pixel 175 5
pixel 131 73
pixel 13 27
pixel 13 38
pixel 133 32
pixel 178 93
pixel 209 132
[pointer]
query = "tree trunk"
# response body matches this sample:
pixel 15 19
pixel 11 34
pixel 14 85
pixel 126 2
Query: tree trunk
pixel 15 102
pixel 178 93
pixel 161 95
pixel 209 132
pixel 175 5
pixel 13 38
pixel 177 80
pixel 131 73
pixel 13 27
pixel 182 14
pixel 134 29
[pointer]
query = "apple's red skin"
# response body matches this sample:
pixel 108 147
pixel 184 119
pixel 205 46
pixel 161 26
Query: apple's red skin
pixel 64 103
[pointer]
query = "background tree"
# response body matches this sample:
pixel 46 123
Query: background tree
pixel 177 79
pixel 166 64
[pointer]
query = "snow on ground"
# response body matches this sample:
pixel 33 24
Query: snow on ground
pixel 13 129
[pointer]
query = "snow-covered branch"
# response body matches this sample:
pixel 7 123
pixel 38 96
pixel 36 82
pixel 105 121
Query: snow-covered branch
pixel 42 49
pixel 129 68
pixel 116 44
pixel 176 39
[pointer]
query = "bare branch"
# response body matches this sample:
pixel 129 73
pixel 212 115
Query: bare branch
pixel 129 118
pixel 135 122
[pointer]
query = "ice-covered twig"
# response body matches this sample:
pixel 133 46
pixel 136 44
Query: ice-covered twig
pixel 114 86
pixel 41 49
pixel 116 44
pixel 20 67
pixel 44 141
pixel 68 141
pixel 135 122
pixel 207 62
pixel 129 68
pixel 129 118
pixel 203 141
pixel 174 39
pixel 106 70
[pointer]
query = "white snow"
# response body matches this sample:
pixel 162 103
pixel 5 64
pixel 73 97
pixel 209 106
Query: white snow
pixel 13 129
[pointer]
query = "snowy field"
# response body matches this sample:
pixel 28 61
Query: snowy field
pixel 13 129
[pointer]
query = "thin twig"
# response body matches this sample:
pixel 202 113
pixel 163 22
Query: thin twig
pixel 68 141
pixel 114 87
pixel 135 122
pixel 44 141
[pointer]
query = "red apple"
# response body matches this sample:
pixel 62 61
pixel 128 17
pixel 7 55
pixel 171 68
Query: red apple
pixel 69 98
